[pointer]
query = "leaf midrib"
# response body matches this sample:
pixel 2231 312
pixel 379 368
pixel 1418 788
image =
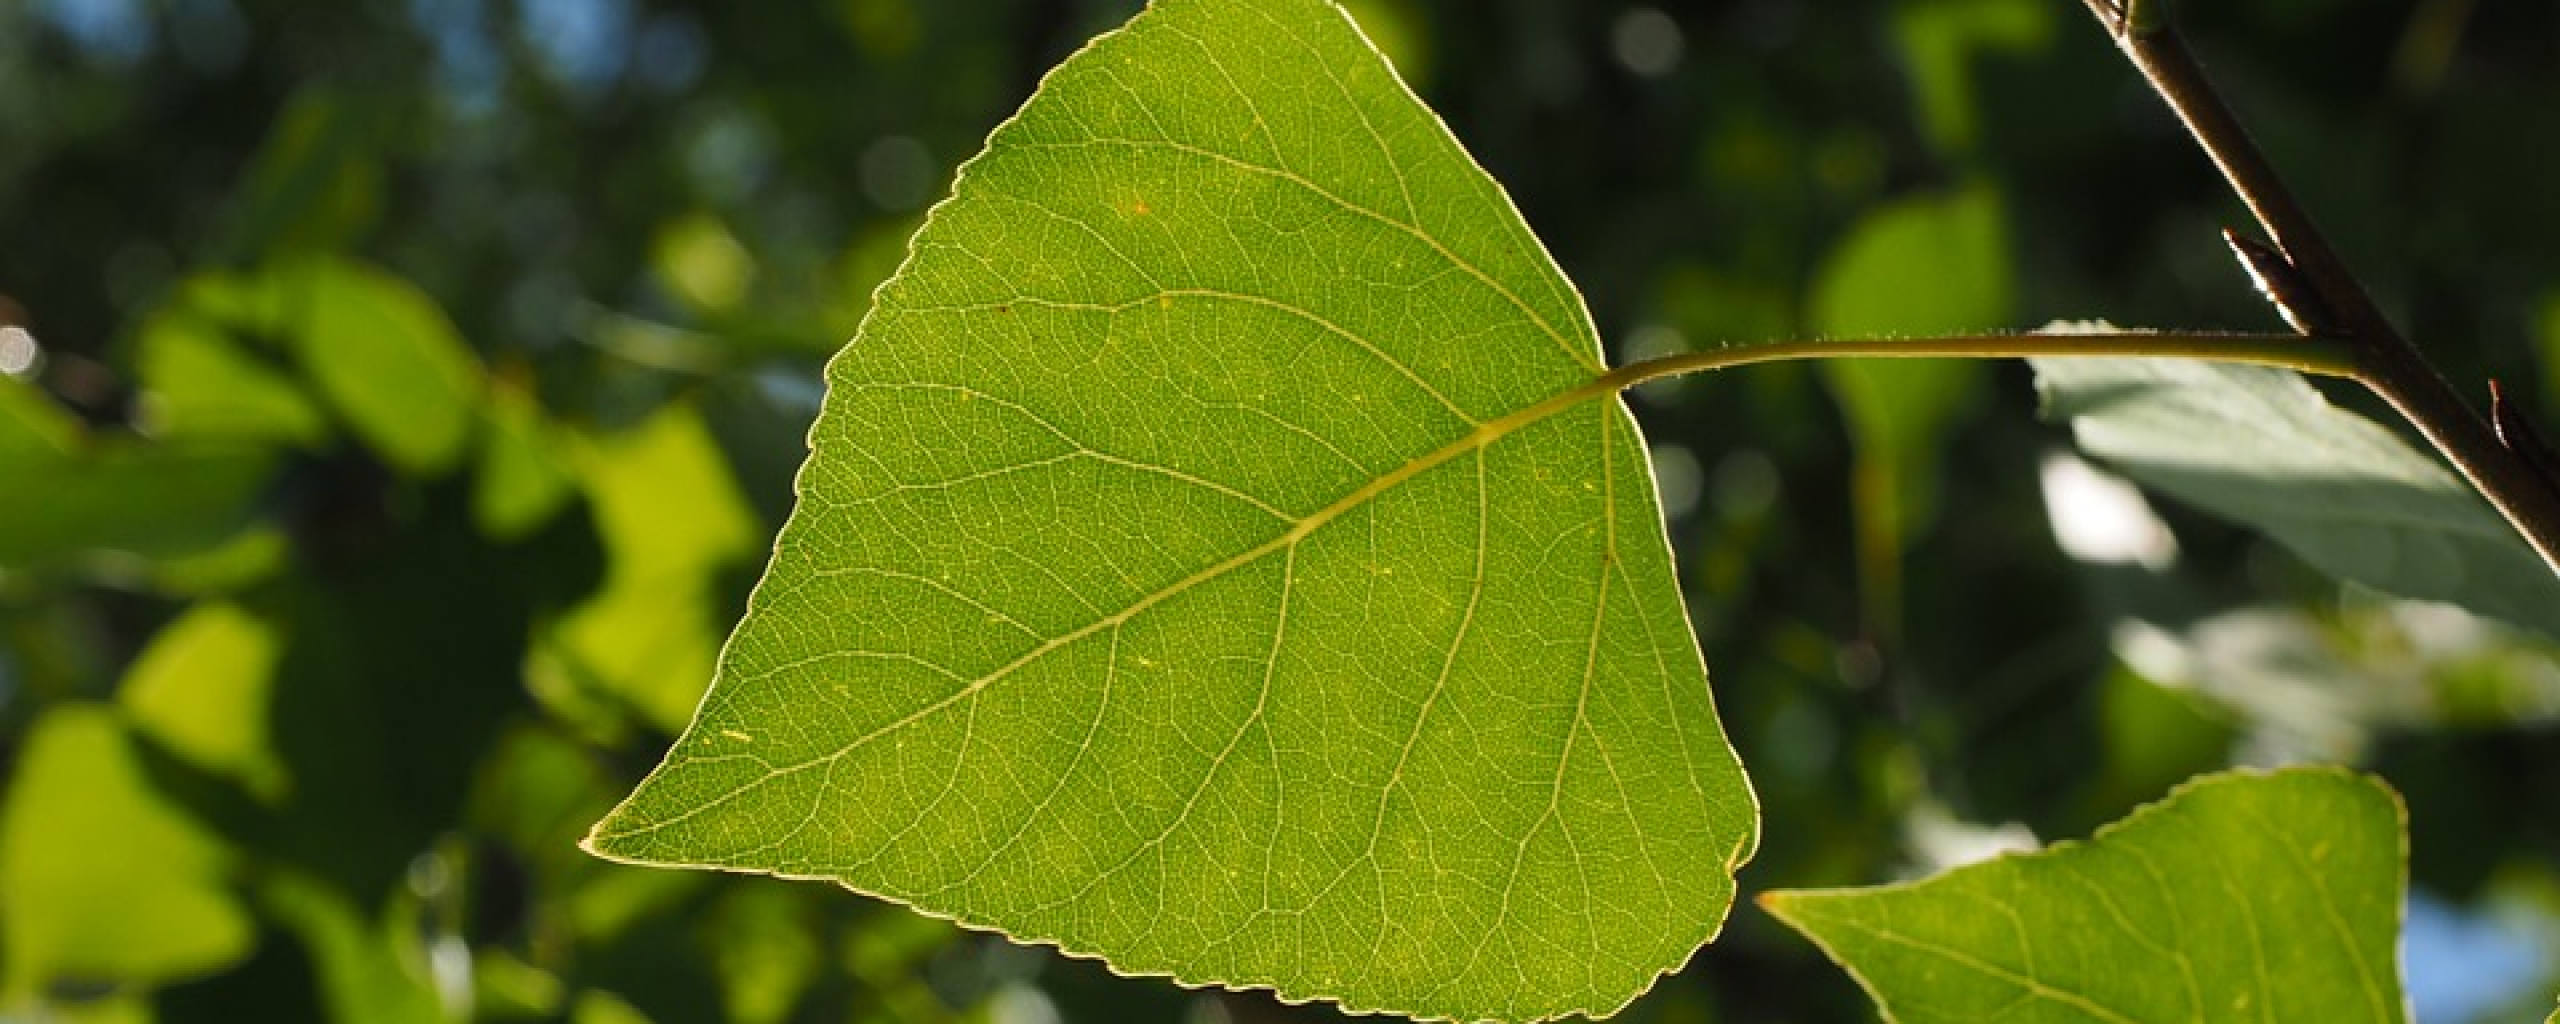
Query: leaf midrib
pixel 1481 436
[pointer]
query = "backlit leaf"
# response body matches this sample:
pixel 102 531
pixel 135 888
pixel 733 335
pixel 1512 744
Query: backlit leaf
pixel 105 882
pixel 2240 897
pixel 201 689
pixel 672 519
pixel 1922 265
pixel 199 385
pixel 114 493
pixel 1219 556
pixel 386 357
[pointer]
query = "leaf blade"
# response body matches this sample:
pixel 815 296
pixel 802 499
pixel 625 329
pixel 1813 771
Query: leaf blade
pixel 1212 669
pixel 2261 447
pixel 2320 850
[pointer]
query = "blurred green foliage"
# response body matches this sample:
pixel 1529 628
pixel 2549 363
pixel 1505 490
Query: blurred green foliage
pixel 399 396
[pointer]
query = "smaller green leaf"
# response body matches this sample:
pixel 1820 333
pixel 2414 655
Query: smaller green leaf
pixel 701 261
pixel 106 883
pixel 524 472
pixel 114 493
pixel 672 519
pixel 2269 897
pixel 1942 42
pixel 198 385
pixel 387 358
pixel 315 182
pixel 201 689
pixel 32 427
pixel 2261 447
pixel 366 971
pixel 1923 265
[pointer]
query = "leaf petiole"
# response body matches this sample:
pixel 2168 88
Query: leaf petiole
pixel 2317 356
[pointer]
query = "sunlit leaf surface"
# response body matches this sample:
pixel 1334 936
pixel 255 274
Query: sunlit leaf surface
pixel 113 492
pixel 1217 557
pixel 386 357
pixel 201 689
pixel 106 883
pixel 2240 897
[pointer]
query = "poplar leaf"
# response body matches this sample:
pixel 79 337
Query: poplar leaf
pixel 1221 554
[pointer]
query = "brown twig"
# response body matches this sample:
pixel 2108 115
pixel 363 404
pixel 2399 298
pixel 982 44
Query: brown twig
pixel 2386 362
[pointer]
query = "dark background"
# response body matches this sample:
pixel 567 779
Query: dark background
pixel 650 221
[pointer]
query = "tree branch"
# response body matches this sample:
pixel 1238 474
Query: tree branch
pixel 2385 362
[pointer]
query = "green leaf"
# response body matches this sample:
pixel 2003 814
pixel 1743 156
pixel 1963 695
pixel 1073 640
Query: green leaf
pixel 387 358
pixel 524 476
pixel 2241 897
pixel 672 519
pixel 105 883
pixel 201 689
pixel 365 971
pixel 1922 265
pixel 697 258
pixel 198 385
pixel 1940 45
pixel 2259 446
pixel 1220 555
pixel 114 493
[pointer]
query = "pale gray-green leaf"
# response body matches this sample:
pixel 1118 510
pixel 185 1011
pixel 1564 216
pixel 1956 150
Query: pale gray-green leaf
pixel 2259 446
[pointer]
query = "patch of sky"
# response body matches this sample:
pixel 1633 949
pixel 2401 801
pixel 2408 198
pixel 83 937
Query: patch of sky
pixel 2467 964
pixel 469 70
pixel 583 44
pixel 117 33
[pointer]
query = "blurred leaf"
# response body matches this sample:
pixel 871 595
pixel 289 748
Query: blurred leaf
pixel 197 385
pixel 315 182
pixel 87 495
pixel 113 1009
pixel 2260 446
pixel 2301 698
pixel 505 987
pixel 867 260
pixel 524 472
pixel 364 976
pixel 1930 265
pixel 106 884
pixel 536 791
pixel 2240 897
pixel 768 950
pixel 672 519
pixel 32 427
pixel 596 1006
pixel 387 359
pixel 703 264
pixel 201 689
pixel 1941 40
pixel 1391 26
pixel 1218 555
pixel 253 554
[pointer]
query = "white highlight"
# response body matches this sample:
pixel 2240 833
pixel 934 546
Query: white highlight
pixel 18 350
pixel 2100 519
pixel 1647 41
